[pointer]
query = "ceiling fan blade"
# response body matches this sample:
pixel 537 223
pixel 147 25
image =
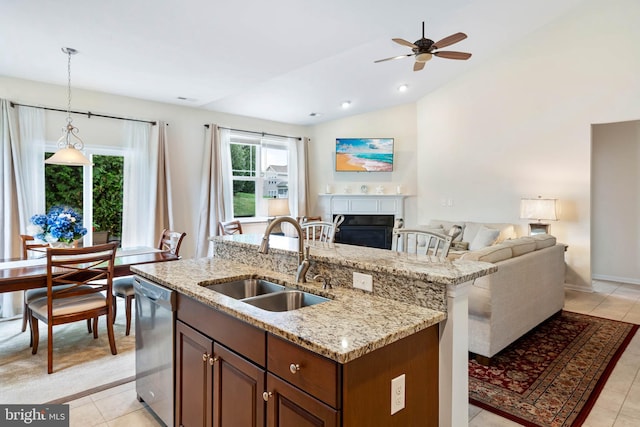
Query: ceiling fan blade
pixel 404 43
pixel 452 55
pixel 394 57
pixel 417 66
pixel 447 41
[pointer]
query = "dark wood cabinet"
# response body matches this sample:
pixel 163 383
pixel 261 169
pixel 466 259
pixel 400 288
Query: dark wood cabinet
pixel 193 378
pixel 288 406
pixel 231 373
pixel 215 387
pixel 237 390
pixel 308 389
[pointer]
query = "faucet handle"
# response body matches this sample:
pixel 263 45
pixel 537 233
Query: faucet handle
pixel 307 250
pixel 326 281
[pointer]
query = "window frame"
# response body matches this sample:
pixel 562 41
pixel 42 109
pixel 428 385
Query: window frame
pixel 261 143
pixel 87 181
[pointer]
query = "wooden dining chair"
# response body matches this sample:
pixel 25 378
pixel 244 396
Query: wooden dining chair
pixel 29 243
pixel 169 241
pixel 421 242
pixel 229 227
pixel 86 292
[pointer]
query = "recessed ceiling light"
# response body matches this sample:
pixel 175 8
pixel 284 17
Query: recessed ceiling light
pixel 403 88
pixel 346 104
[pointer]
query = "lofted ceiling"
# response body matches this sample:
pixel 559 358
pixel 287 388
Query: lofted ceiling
pixel 277 60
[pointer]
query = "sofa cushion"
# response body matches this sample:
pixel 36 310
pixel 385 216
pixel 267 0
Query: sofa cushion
pixel 485 237
pixel 521 245
pixel 544 240
pixel 422 240
pixel 493 253
pixel 507 231
pixel 446 226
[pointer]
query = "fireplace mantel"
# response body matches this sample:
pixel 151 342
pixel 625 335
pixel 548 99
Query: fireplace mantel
pixel 362 204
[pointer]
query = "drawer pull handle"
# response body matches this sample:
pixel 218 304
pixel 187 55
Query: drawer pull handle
pixel 294 367
pixel 266 395
pixel 205 357
pixel 213 360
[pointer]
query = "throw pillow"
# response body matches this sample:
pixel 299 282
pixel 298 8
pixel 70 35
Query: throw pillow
pixel 485 237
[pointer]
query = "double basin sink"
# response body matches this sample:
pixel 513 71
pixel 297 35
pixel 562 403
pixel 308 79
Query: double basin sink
pixel 267 295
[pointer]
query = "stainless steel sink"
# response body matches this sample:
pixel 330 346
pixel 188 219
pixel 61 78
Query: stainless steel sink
pixel 285 300
pixel 267 295
pixel 246 288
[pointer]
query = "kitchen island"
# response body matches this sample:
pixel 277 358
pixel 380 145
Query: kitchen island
pixel 410 295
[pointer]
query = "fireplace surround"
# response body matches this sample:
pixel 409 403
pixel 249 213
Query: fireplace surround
pixel 369 219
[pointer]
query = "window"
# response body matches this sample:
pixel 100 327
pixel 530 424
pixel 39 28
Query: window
pixel 260 171
pixel 95 191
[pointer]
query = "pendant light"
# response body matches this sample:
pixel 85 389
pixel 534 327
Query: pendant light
pixel 69 144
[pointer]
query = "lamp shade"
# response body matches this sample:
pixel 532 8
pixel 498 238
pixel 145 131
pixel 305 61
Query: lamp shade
pixel 68 156
pixel 538 209
pixel 278 207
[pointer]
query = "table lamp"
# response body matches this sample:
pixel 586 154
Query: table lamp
pixel 539 209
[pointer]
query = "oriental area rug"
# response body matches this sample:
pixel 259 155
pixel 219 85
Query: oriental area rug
pixel 553 375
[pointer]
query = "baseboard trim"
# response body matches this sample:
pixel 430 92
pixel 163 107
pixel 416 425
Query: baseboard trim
pixel 573 287
pixel 617 279
pixel 91 391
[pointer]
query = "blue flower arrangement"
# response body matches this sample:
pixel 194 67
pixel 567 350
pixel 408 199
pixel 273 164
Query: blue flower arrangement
pixel 61 224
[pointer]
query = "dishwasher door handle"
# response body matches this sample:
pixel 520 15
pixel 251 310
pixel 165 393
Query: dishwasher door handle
pixel 155 293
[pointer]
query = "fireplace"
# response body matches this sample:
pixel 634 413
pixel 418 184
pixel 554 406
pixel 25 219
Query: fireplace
pixel 369 218
pixel 366 230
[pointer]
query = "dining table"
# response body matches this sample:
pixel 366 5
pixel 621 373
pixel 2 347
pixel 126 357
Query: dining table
pixel 19 274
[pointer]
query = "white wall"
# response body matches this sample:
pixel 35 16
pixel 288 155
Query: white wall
pixel 186 134
pixel 398 123
pixel 519 125
pixel 615 204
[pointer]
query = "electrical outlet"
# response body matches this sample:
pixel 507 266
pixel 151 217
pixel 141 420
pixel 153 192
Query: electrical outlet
pixel 363 281
pixel 397 394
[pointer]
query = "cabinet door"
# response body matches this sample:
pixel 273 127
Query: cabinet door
pixel 288 406
pixel 237 390
pixel 193 377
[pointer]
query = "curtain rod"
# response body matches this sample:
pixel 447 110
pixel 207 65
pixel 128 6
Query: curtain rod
pixel 257 133
pixel 87 113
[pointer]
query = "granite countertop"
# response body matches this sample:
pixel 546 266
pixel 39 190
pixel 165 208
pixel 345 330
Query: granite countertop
pixel 352 324
pixel 419 267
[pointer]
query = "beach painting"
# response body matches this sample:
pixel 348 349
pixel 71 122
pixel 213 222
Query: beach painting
pixel 364 154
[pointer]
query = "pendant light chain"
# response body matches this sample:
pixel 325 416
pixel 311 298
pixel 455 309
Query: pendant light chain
pixel 69 86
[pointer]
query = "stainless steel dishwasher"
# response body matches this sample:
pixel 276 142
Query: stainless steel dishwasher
pixel 155 312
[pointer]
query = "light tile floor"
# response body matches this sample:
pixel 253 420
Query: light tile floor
pixel 617 406
pixel 619 402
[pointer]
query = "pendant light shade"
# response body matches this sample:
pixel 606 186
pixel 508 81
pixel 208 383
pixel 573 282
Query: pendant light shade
pixel 68 156
pixel 69 144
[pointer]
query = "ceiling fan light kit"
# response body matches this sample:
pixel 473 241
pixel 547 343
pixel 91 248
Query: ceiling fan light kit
pixel 424 49
pixel 423 57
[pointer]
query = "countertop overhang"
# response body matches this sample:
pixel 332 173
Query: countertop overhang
pixel 350 325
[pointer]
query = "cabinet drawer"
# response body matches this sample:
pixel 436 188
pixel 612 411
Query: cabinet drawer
pixel 308 371
pixel 245 339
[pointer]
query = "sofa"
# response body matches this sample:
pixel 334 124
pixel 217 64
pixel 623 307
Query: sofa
pixel 527 289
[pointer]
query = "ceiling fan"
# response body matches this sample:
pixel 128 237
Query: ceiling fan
pixel 424 49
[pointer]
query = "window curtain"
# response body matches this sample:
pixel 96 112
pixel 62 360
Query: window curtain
pixel 164 202
pixel 216 188
pixel 146 206
pixel 21 157
pixel 298 177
